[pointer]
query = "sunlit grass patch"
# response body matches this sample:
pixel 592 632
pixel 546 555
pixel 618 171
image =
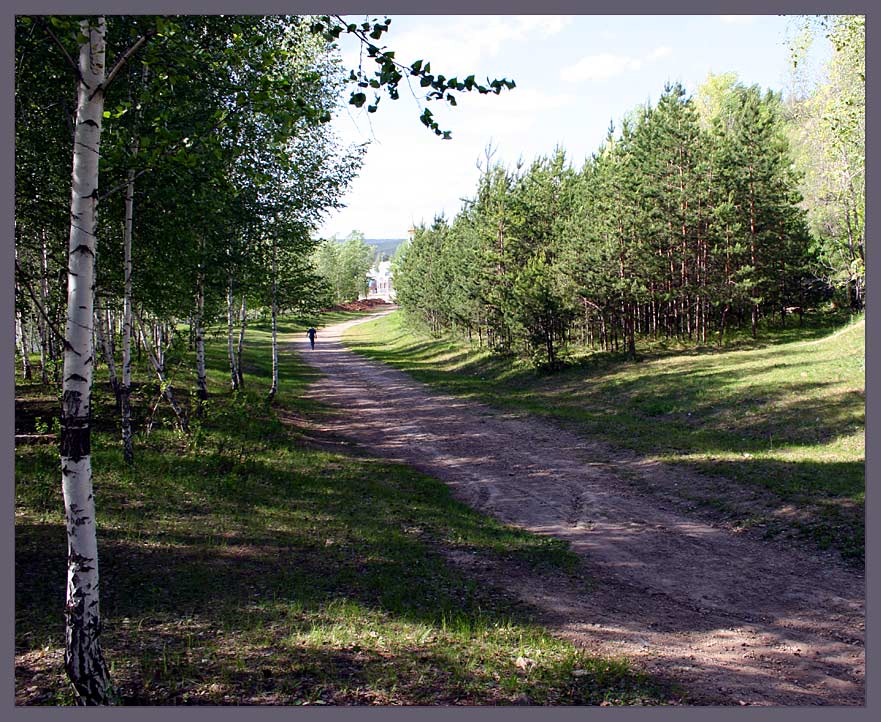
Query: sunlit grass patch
pixel 786 415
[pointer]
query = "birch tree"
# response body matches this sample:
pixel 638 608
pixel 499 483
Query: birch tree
pixel 84 660
pixel 219 81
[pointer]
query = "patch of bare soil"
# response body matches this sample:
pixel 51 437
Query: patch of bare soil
pixel 363 304
pixel 733 618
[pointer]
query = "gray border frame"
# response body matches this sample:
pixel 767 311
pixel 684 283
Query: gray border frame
pixel 392 8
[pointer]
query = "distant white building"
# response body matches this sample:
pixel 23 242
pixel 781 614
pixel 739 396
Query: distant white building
pixel 379 282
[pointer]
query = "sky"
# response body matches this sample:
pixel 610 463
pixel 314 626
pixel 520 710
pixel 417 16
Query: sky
pixel 574 75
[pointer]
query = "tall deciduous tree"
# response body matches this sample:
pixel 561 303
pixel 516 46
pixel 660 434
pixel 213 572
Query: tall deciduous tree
pixel 828 129
pixel 84 660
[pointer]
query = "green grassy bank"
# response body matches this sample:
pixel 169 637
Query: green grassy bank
pixel 786 416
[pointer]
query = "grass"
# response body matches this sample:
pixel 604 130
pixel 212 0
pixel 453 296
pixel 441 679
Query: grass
pixel 244 565
pixel 785 415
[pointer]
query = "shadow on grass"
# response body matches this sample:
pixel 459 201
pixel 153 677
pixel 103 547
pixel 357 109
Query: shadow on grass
pixel 751 403
pixel 187 623
pixel 190 572
pixel 304 526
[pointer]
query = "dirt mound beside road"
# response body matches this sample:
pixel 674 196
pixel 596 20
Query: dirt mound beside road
pixel 364 304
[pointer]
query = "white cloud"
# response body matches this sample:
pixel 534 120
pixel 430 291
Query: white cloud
pixel 459 44
pixel 599 67
pixel 737 19
pixel 520 100
pixel 660 52
pixel 608 65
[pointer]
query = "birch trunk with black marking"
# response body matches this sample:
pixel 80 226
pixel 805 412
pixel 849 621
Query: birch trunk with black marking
pixel 274 388
pixel 231 317
pixel 244 321
pixel 111 327
pixel 164 385
pixel 21 335
pixel 24 347
pixel 44 351
pixel 102 334
pixel 83 658
pixel 125 388
pixel 198 327
pixel 160 349
pixel 45 336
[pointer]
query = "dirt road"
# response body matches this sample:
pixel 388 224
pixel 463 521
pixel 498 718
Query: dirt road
pixel 734 619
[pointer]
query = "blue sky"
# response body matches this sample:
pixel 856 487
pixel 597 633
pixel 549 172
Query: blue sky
pixel 574 75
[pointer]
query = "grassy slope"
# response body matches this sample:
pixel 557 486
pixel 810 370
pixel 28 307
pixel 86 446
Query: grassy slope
pixel 789 416
pixel 242 565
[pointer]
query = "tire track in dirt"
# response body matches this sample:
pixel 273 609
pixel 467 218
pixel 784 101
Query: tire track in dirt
pixel 734 619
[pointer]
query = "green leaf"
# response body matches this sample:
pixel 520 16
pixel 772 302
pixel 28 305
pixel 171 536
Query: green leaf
pixel 357 99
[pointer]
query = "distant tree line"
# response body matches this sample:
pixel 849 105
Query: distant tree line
pixel 343 267
pixel 689 221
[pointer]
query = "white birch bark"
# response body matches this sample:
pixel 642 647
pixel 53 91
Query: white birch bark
pixel 101 332
pixel 201 376
pixel 128 452
pixel 45 350
pixel 274 388
pixel 241 345
pixel 230 316
pixel 83 658
pixel 160 346
pixel 163 381
pixel 110 325
pixel 24 347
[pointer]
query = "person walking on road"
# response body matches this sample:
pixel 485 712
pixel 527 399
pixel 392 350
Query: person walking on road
pixel 311 333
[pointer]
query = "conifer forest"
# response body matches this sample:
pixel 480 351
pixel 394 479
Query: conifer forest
pixel 705 211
